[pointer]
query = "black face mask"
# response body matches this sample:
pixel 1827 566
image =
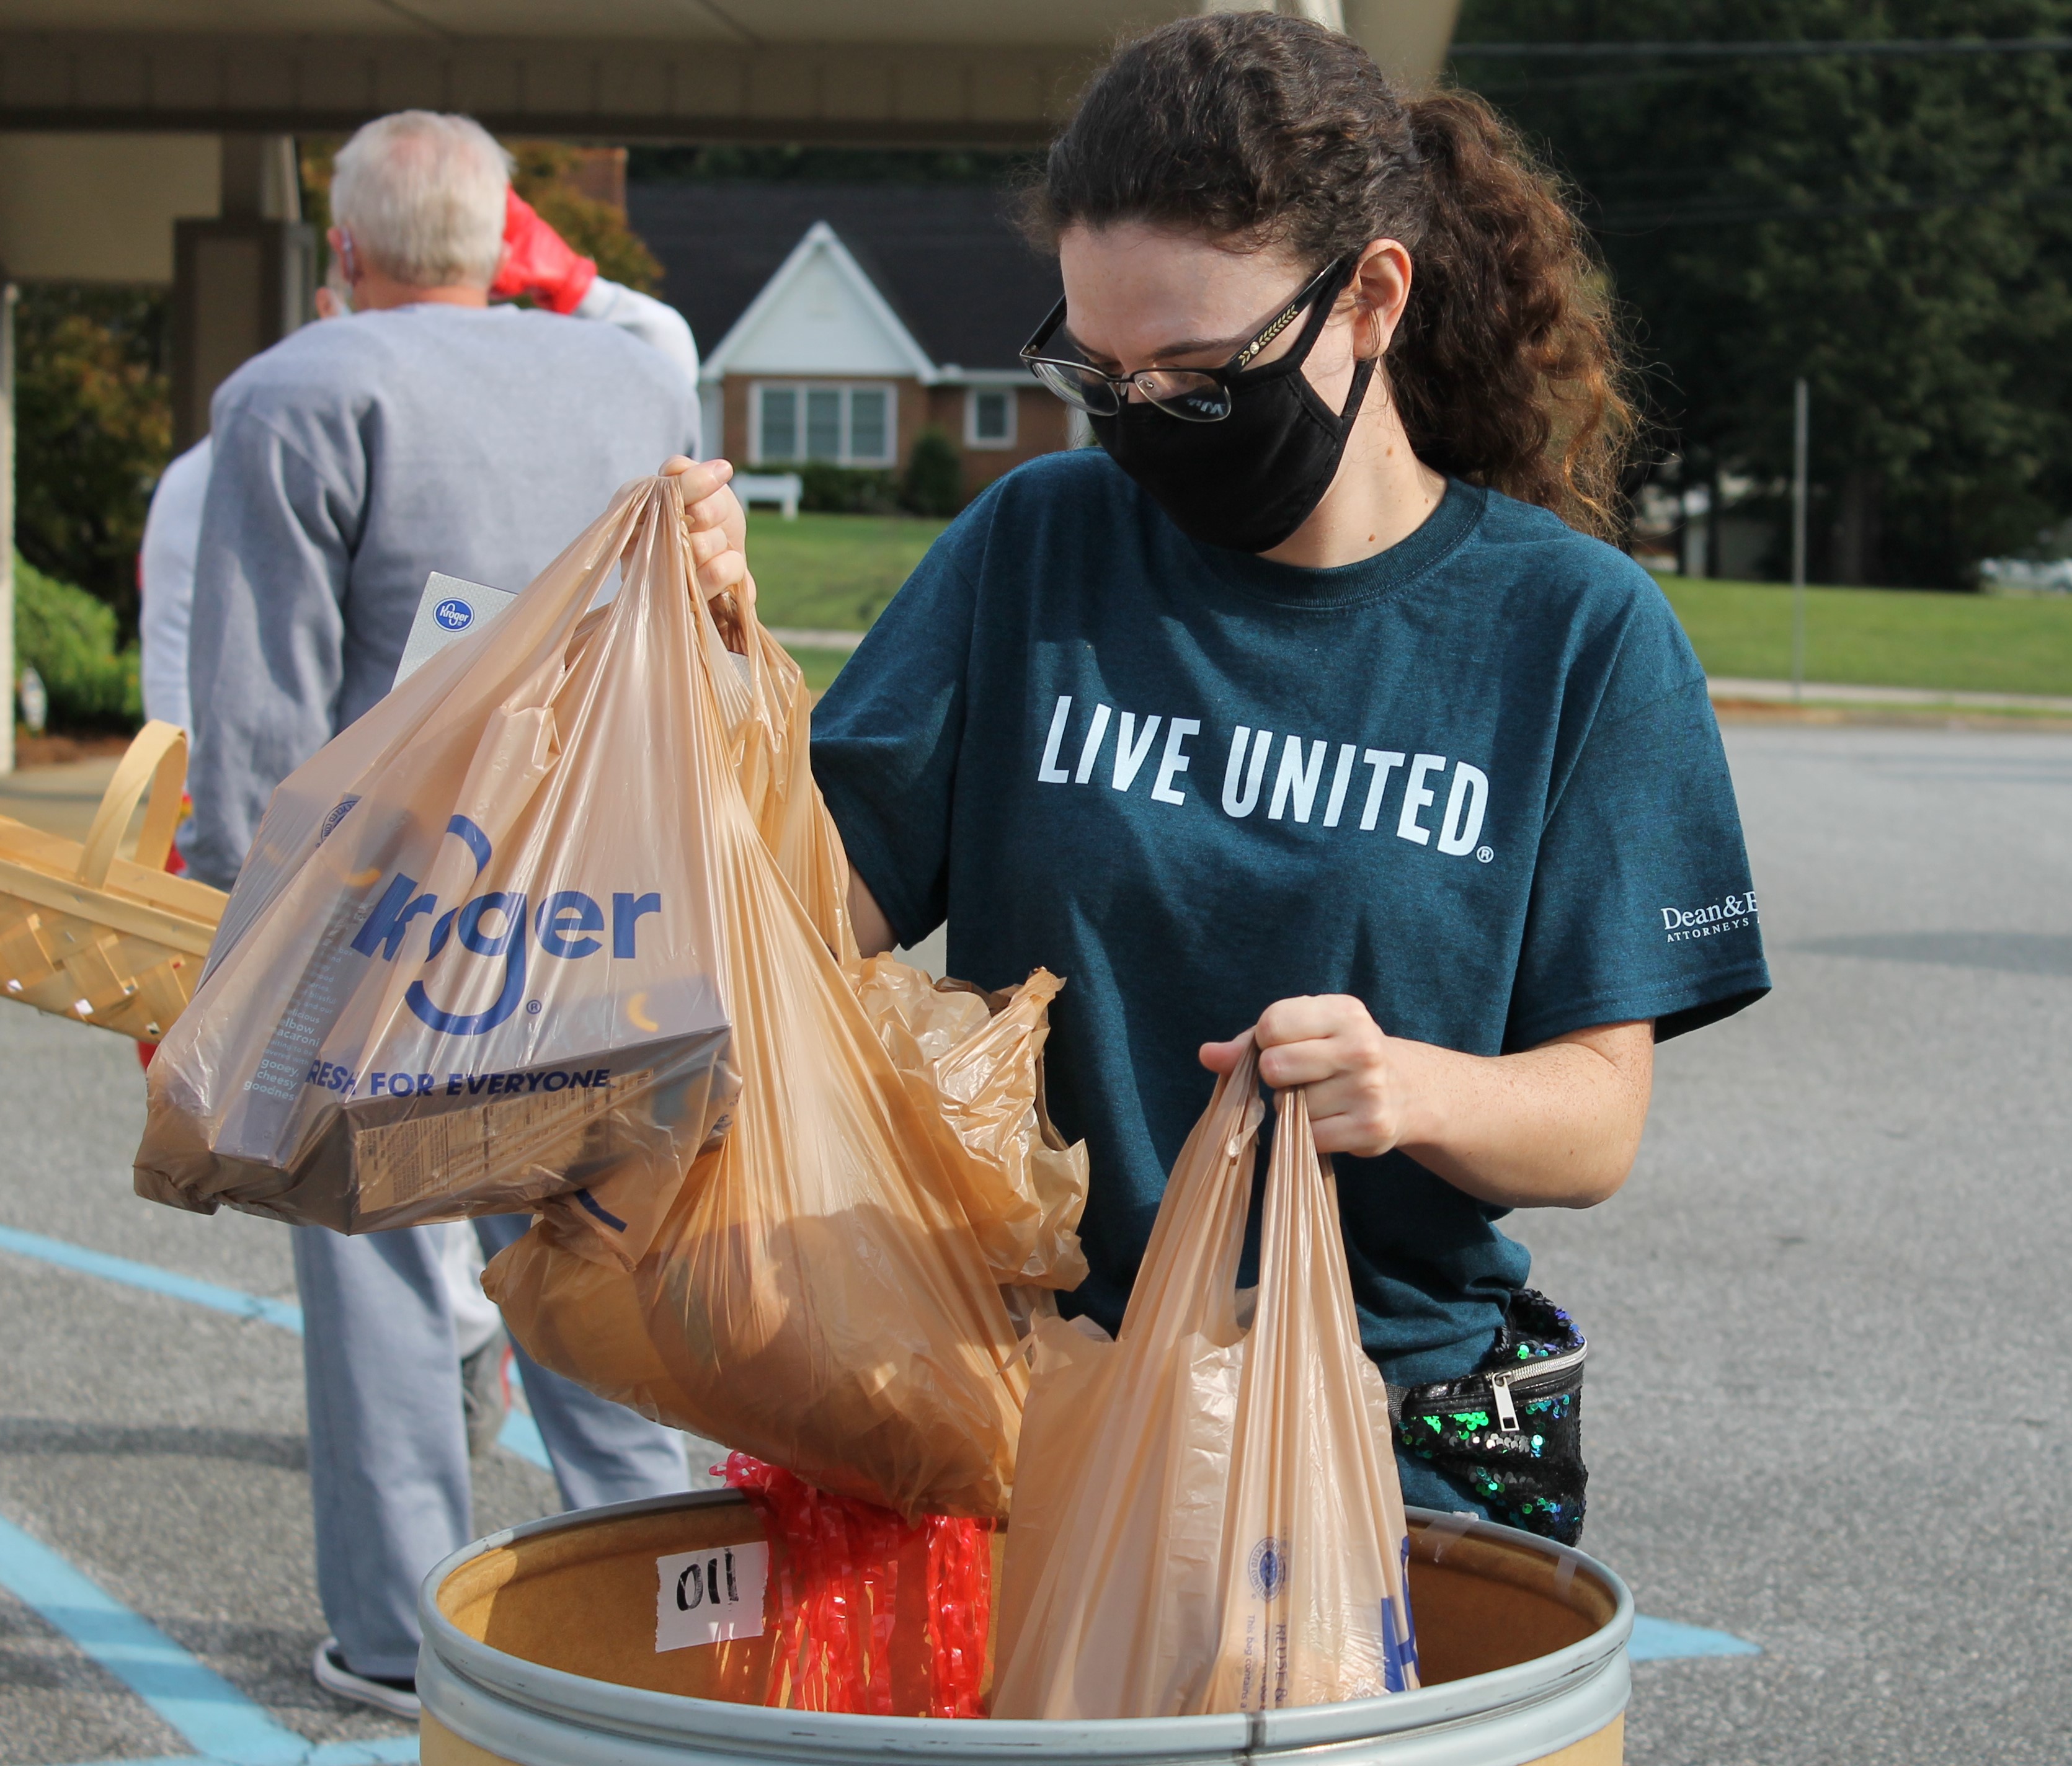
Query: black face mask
pixel 1250 481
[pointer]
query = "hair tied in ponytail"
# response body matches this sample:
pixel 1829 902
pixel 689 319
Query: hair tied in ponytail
pixel 1508 368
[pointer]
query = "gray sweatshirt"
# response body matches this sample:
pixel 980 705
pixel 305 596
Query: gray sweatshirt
pixel 351 460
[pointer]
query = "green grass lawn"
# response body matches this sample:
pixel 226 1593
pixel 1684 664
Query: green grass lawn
pixel 833 572
pixel 819 667
pixel 1881 637
pixel 836 573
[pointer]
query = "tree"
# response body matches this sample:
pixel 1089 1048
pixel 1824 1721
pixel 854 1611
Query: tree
pixel 94 429
pixel 1897 229
pixel 546 177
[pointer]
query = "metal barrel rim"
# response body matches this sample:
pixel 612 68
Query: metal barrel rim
pixel 481 1693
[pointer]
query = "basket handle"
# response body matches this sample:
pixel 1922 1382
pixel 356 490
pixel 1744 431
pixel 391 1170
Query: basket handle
pixel 158 758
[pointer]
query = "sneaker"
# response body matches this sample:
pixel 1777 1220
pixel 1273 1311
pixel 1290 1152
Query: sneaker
pixel 484 1398
pixel 398 1698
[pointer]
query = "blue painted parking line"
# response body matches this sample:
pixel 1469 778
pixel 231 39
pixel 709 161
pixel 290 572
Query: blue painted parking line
pixel 383 1752
pixel 519 1434
pixel 283 1313
pixel 1664 1640
pixel 223 1726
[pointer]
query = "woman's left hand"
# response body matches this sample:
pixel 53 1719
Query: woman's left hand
pixel 1556 1126
pixel 1360 1081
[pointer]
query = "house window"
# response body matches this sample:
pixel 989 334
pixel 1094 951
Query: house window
pixel 869 435
pixel 847 425
pixel 989 418
pixel 779 428
pixel 824 423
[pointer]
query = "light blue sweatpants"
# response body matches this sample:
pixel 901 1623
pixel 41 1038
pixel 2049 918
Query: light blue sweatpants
pixel 389 1473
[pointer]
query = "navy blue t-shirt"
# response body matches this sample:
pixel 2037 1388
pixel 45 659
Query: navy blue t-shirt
pixel 1473 781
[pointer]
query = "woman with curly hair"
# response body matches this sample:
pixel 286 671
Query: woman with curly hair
pixel 1312 706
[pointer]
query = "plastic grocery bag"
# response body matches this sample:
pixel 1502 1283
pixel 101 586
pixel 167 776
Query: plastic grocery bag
pixel 472 961
pixel 1206 1517
pixel 815 1294
pixel 976 1059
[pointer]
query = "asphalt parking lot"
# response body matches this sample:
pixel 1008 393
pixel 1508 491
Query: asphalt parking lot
pixel 1829 1388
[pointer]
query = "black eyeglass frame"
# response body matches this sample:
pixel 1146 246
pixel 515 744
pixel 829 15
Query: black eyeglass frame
pixel 1118 385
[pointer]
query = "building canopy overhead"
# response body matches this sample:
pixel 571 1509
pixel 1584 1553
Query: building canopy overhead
pixel 971 72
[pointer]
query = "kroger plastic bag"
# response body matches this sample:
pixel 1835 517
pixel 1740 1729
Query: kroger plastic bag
pixel 816 1295
pixel 471 963
pixel 1206 1517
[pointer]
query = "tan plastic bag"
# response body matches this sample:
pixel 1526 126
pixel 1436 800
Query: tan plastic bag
pixel 972 1058
pixel 817 1295
pixel 976 1060
pixel 1206 1517
pixel 472 961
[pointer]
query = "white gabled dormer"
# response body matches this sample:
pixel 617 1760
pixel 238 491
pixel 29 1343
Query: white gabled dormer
pixel 820 314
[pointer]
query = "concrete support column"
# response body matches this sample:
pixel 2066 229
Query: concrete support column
pixel 9 666
pixel 240 283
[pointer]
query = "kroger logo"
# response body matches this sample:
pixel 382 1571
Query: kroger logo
pixel 1268 1568
pixel 496 925
pixel 455 615
pixel 338 811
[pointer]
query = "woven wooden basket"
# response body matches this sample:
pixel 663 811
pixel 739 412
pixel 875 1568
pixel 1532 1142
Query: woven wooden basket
pixel 100 939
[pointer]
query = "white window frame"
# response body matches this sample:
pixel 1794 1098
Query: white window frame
pixel 848 389
pixel 972 438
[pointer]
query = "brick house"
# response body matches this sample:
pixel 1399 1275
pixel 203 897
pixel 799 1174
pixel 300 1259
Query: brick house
pixel 837 322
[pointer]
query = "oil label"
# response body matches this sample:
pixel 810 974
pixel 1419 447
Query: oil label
pixel 710 1596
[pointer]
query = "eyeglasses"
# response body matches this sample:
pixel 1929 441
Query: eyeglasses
pixel 1193 394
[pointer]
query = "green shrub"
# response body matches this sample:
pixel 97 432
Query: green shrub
pixel 94 404
pixel 68 637
pixel 855 490
pixel 934 481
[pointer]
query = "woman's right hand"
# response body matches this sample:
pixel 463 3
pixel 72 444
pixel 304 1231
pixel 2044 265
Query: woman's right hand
pixel 715 526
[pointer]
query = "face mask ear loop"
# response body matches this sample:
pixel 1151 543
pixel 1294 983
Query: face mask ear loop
pixel 1313 328
pixel 1363 374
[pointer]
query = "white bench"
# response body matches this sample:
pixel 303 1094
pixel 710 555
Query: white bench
pixel 781 488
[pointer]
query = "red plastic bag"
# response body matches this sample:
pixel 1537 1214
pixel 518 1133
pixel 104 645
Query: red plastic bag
pixel 849 1637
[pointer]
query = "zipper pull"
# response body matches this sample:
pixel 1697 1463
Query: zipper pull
pixel 1506 1412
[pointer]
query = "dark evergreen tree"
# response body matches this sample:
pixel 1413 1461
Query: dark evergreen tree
pixel 1897 228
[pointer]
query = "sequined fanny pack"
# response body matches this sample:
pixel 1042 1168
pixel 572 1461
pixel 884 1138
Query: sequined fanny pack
pixel 1511 1432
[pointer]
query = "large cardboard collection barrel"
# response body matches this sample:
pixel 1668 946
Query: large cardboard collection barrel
pixel 540 1650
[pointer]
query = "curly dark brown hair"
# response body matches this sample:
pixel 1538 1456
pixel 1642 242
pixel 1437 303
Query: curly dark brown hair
pixel 1508 367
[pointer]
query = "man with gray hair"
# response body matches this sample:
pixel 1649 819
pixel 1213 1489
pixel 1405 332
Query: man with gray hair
pixel 435 431
pixel 432 431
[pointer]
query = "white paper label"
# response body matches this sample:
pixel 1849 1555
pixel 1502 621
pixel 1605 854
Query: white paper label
pixel 710 1596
